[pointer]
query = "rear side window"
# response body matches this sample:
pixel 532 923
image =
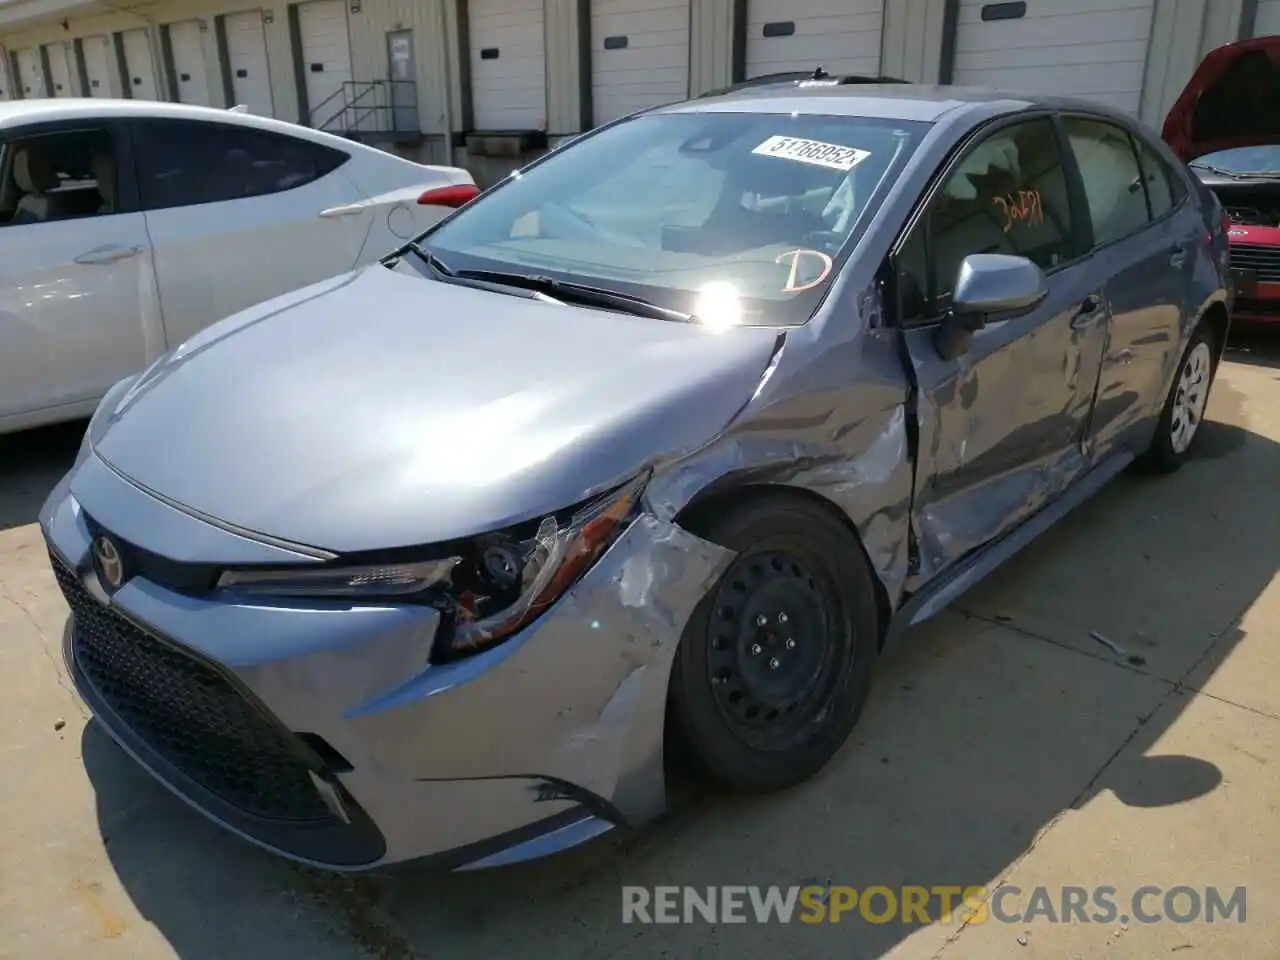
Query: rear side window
pixel 182 163
pixel 1161 192
pixel 1112 178
pixel 1007 195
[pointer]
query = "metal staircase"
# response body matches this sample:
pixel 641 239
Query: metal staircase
pixel 370 111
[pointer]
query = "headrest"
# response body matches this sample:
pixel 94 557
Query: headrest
pixel 104 171
pixel 998 153
pixel 32 172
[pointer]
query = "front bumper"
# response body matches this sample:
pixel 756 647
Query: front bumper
pixel 321 732
pixel 1254 301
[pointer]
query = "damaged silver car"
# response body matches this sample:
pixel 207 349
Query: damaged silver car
pixel 649 449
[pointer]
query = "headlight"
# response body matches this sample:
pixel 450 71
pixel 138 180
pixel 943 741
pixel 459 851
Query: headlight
pixel 493 585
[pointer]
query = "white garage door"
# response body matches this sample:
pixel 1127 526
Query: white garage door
pixel 508 65
pixel 1266 21
pixel 190 75
pixel 326 58
pixel 841 36
pixel 1084 48
pixel 60 69
pixel 30 73
pixel 140 66
pixel 247 58
pixel 98 72
pixel 639 55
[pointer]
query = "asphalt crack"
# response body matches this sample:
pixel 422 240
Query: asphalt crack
pixel 59 671
pixel 357 898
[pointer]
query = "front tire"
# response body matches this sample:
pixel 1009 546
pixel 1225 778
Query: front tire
pixel 775 665
pixel 1185 406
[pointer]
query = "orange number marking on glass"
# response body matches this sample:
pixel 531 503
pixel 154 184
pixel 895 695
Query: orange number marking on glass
pixel 1022 206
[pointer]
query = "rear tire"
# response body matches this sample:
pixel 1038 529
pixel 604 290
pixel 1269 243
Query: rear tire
pixel 775 665
pixel 1185 406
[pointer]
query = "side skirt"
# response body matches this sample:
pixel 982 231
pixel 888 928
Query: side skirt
pixel 936 596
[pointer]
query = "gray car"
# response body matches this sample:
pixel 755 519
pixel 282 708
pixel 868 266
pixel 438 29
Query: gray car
pixel 647 452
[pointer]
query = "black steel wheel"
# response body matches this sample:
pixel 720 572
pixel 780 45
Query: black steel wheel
pixel 775 665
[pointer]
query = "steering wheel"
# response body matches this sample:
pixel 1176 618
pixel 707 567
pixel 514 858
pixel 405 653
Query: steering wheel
pixel 828 241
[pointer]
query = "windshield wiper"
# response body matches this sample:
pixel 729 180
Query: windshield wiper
pixel 1210 168
pixel 434 263
pixel 446 274
pixel 567 291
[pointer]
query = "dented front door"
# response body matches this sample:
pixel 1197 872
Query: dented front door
pixel 1001 427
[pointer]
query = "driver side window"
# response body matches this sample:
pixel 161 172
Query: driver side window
pixel 1008 194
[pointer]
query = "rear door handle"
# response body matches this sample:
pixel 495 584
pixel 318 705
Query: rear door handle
pixel 1178 257
pixel 346 210
pixel 1090 310
pixel 109 254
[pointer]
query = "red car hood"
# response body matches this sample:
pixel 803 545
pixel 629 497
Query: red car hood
pixel 1232 100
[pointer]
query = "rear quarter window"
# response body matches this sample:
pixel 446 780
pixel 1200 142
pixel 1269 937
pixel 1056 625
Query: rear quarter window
pixel 185 163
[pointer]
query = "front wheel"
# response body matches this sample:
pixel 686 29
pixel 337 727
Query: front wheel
pixel 1185 406
pixel 775 665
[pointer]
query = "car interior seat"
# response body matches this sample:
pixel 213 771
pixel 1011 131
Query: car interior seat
pixel 35 177
pixel 967 217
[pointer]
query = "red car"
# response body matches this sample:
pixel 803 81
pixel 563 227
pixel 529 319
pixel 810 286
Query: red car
pixel 1224 126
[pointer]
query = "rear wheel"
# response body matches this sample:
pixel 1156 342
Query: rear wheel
pixel 1185 406
pixel 775 665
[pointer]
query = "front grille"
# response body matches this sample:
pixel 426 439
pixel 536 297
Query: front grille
pixel 190 713
pixel 1262 259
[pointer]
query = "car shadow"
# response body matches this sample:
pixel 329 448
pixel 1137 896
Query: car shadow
pixel 31 464
pixel 1256 346
pixel 984 727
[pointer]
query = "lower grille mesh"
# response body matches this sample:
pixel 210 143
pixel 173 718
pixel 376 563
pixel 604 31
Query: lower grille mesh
pixel 190 713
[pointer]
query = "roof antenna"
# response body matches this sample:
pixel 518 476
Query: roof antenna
pixel 820 74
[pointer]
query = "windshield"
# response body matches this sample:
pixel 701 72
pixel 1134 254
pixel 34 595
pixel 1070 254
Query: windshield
pixel 685 209
pixel 1243 160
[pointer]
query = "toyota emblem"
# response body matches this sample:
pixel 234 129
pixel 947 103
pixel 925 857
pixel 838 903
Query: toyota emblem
pixel 110 564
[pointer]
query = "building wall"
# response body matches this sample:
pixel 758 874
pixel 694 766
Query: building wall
pixel 914 44
pixel 151 16
pixel 1182 32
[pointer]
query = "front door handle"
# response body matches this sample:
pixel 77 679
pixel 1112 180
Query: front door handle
pixel 109 254
pixel 346 210
pixel 1090 310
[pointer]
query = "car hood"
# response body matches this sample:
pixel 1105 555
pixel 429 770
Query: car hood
pixel 379 410
pixel 1232 100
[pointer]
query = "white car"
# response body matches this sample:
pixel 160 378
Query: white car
pixel 126 226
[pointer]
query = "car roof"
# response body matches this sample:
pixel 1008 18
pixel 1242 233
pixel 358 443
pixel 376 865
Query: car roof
pixel 889 101
pixel 40 110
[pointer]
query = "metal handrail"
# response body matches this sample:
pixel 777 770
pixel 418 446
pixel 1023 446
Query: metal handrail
pixel 348 101
pixel 357 109
pixel 311 114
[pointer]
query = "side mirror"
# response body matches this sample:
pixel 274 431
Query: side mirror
pixel 989 287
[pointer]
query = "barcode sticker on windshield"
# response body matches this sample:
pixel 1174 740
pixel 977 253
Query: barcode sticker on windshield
pixel 830 155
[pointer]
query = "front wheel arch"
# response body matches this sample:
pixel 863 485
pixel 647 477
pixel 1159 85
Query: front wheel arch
pixel 693 517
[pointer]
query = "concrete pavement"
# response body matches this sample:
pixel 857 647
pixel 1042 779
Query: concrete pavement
pixel 1003 743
